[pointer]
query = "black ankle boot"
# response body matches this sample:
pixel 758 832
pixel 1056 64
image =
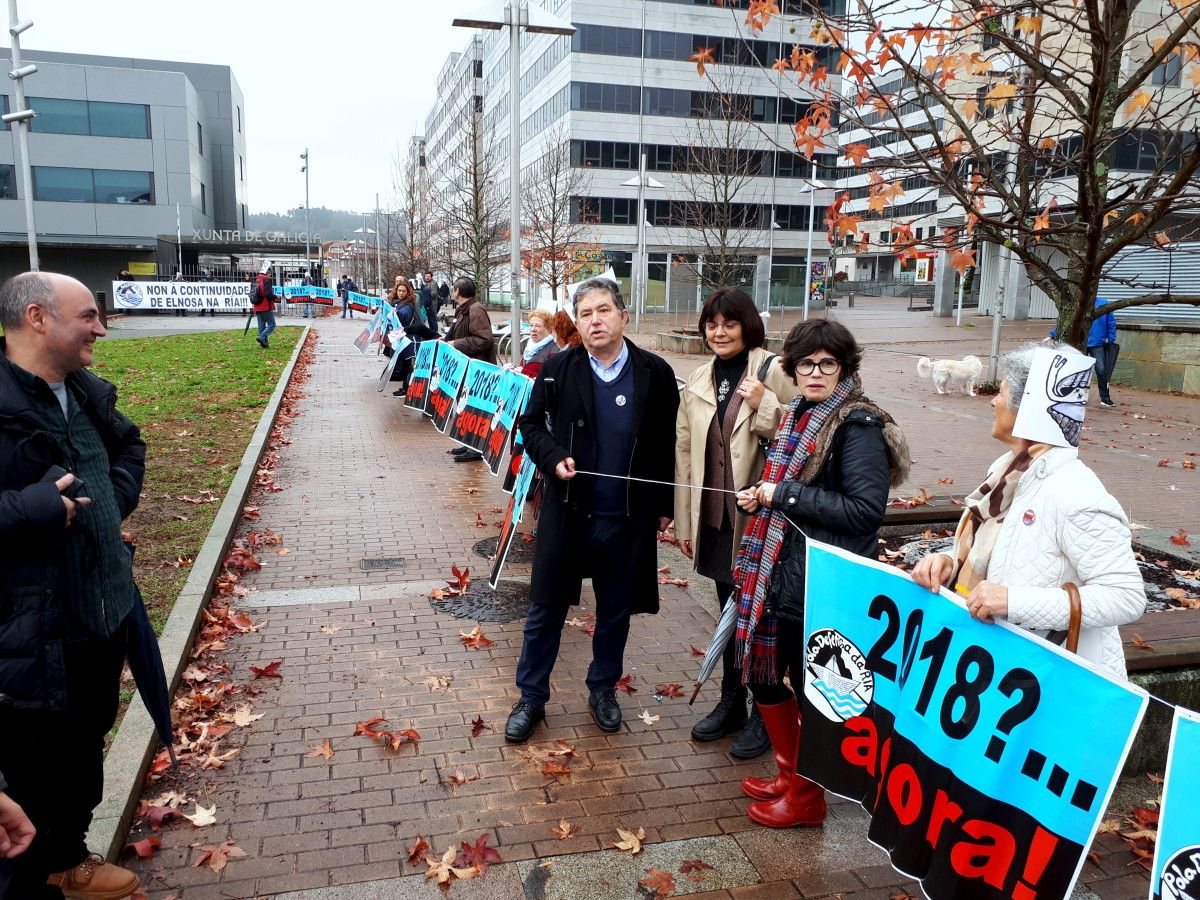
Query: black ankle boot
pixel 753 741
pixel 728 716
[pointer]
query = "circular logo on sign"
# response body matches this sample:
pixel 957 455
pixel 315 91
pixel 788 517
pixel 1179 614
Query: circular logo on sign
pixel 1180 877
pixel 838 683
pixel 130 293
pixel 620 399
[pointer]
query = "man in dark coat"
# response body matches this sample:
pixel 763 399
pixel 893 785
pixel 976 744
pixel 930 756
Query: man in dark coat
pixel 605 406
pixel 427 294
pixel 471 334
pixel 71 469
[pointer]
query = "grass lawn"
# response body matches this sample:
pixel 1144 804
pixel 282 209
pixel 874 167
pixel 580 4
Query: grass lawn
pixel 197 399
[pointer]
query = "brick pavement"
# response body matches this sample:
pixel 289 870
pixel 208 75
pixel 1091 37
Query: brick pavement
pixel 362 478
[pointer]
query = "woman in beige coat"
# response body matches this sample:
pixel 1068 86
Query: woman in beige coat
pixel 727 406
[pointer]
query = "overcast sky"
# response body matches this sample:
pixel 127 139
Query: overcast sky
pixel 352 81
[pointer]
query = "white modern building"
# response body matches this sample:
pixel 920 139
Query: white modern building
pixel 622 87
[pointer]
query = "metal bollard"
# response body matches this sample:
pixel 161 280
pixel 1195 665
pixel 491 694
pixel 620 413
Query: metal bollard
pixel 850 300
pixel 102 303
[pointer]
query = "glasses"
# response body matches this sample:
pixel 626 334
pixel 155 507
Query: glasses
pixel 828 366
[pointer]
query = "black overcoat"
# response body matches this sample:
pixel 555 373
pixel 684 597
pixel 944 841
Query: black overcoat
pixel 560 421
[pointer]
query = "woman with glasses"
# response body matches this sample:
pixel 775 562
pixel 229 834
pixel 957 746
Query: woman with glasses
pixel 728 409
pixel 827 476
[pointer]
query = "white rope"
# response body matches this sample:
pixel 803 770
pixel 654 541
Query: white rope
pixel 690 487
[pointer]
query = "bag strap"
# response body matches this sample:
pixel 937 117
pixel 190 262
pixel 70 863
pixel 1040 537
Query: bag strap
pixel 765 367
pixel 1075 617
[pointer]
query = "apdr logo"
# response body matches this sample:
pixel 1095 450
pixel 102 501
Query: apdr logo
pixel 1180 877
pixel 130 293
pixel 839 684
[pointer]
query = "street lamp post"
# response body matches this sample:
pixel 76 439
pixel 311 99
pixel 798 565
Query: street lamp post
pixel 641 266
pixel 812 205
pixel 22 116
pixel 514 15
pixel 307 227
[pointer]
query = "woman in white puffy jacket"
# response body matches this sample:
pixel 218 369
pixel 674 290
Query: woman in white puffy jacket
pixel 1042 519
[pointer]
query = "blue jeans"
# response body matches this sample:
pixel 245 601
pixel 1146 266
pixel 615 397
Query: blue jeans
pixel 606 549
pixel 346 308
pixel 308 311
pixel 266 324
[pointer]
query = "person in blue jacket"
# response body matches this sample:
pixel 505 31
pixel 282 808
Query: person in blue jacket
pixel 1103 333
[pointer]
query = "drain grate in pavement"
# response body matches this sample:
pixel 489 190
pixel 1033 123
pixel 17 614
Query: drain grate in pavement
pixel 520 551
pixel 508 602
pixel 380 563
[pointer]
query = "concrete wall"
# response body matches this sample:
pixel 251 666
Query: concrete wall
pixel 1159 357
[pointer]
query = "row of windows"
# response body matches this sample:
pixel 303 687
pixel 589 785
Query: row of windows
pixel 545 116
pixel 676 158
pixel 92 117
pixel 900 134
pixel 559 49
pixel 612 40
pixel 694 214
pixel 911 183
pixel 872 118
pixel 92 185
pixel 655 101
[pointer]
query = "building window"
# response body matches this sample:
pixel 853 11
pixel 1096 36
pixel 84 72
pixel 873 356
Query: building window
pixel 604 97
pixel 119 186
pixel 92 185
pixel 1166 73
pixel 607 40
pixel 477 68
pixel 241 168
pixel 239 119
pixel 200 138
pixel 129 120
pixel 203 199
pixel 59 116
pixel 8 183
pixel 603 155
pixel 4 103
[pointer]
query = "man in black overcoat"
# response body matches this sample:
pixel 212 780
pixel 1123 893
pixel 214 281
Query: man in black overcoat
pixel 605 406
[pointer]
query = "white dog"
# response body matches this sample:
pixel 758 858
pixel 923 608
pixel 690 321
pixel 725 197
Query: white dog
pixel 951 372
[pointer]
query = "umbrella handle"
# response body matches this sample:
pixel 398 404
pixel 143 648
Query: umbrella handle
pixel 695 693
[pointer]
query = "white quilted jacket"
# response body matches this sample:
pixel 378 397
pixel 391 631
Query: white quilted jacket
pixel 1077 533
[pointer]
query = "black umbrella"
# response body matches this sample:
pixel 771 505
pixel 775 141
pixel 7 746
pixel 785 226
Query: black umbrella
pixel 145 662
pixel 249 319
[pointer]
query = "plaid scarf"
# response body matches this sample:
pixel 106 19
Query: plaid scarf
pixel 983 514
pixel 790 448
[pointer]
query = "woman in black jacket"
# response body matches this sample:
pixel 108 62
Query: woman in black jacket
pixel 827 477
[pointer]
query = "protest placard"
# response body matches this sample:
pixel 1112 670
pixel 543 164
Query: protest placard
pixel 307 293
pixel 514 464
pixel 400 343
pixel 445 382
pixel 227 296
pixel 361 302
pixel 417 396
pixel 478 405
pixel 513 391
pixel 976 747
pixel 512 516
pixel 1175 874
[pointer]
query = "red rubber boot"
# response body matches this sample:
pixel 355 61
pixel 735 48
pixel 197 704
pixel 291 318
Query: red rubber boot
pixel 802 801
pixel 785 742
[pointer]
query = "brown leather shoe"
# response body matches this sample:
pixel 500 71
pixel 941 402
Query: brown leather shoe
pixel 95 879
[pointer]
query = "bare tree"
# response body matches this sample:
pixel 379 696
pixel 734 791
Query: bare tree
pixel 412 227
pixel 552 235
pixel 468 204
pixel 1064 131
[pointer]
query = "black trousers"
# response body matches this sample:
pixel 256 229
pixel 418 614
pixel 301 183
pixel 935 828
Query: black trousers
pixel 54 764
pixel 789 659
pixel 606 548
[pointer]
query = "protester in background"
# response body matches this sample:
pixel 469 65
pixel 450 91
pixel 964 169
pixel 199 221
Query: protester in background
pixel 540 346
pixel 729 407
pixel 341 293
pixel 262 301
pixel 607 407
pixel 471 334
pixel 348 288
pixel 1013 567
pixel 1102 346
pixel 565 333
pixel 71 469
pixel 124 275
pixel 827 476
pixel 428 305
pixel 404 303
pixel 309 308
pixel 180 310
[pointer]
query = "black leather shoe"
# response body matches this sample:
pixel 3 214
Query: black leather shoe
pixel 469 456
pixel 521 722
pixel 606 712
pixel 728 716
pixel 459 451
pixel 753 741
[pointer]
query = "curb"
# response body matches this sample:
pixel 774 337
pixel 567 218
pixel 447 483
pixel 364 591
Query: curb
pixel 135 742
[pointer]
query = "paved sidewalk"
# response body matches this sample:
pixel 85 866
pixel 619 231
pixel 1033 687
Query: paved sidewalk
pixel 362 478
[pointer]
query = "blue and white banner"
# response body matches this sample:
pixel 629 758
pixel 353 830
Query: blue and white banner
pixel 445 381
pixel 1175 874
pixel 418 383
pixel 307 294
pixel 977 748
pixel 362 302
pixel 478 407
pixel 513 390
pixel 223 296
pixel 512 516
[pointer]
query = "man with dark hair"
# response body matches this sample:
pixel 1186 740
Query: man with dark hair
pixel 262 301
pixel 606 406
pixel 471 333
pixel 426 293
pixel 71 469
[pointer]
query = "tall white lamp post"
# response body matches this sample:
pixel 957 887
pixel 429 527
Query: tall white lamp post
pixel 514 15
pixel 307 227
pixel 22 116
pixel 812 188
pixel 641 264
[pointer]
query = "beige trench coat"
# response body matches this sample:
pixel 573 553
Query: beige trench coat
pixel 697 406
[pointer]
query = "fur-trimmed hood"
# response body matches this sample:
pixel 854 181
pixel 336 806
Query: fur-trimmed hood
pixel 859 407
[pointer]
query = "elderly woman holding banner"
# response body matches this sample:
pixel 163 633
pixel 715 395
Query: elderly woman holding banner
pixel 827 476
pixel 1041 542
pixel 728 409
